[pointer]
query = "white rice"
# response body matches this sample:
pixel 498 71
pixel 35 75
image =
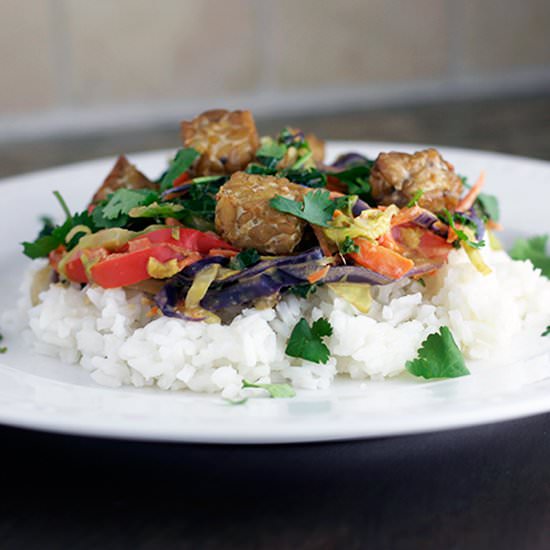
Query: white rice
pixel 493 318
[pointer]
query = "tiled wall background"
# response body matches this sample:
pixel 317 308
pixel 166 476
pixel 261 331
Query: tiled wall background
pixel 72 64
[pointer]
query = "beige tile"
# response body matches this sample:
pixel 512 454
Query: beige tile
pixel 323 42
pixel 141 50
pixel 26 56
pixel 500 34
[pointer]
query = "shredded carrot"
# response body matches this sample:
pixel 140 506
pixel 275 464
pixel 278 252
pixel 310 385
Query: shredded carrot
pixel 153 312
pixel 494 226
pixel 468 201
pixel 222 252
pixel 452 236
pixel 380 259
pixel 191 259
pixel 318 275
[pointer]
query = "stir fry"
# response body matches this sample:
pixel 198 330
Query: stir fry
pixel 237 221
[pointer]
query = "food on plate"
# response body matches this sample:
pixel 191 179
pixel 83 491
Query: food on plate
pixel 124 175
pixel 226 140
pixel 396 178
pixel 245 219
pixel 260 265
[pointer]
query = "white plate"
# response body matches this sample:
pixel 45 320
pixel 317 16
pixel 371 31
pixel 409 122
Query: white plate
pixel 42 393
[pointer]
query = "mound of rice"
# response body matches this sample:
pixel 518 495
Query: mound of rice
pixel 493 318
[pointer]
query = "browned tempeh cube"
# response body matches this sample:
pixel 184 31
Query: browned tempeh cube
pixel 245 219
pixel 123 175
pixel 226 140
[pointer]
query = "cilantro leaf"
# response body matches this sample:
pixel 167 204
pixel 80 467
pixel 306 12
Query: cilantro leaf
pixel 488 207
pixel 200 203
pixel 274 390
pixel 348 246
pixel 310 177
pixel 41 247
pixel 533 249
pixel 546 332
pixel 449 219
pixel 304 290
pixel 306 342
pixel 3 349
pixel 356 178
pixel 123 200
pixel 47 227
pixel 244 259
pixel 45 243
pixel 270 153
pixel 317 208
pixel 260 170
pixel 438 357
pixel 181 163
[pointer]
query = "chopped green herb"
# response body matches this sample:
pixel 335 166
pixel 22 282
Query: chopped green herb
pixel 183 160
pixel 123 200
pixel 317 208
pixel 356 178
pixel 487 207
pixel 415 199
pixel 438 357
pixel 345 204
pixel 304 290
pixel 50 238
pixel 244 259
pixel 422 281
pixel 63 204
pixel 348 246
pixel 271 153
pixel 48 225
pixel 306 342
pixel 302 160
pixel 546 332
pixel 274 390
pixel 200 202
pixel 260 170
pixel 533 249
pixel 3 349
pixel 1 337
pixel 449 218
pixel 292 138
pixel 310 177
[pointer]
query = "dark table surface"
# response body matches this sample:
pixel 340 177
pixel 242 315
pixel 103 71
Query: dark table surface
pixel 484 487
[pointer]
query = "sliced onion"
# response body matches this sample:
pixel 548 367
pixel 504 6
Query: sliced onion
pixel 201 283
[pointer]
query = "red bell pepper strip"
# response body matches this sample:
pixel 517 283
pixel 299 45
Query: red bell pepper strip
pixel 128 268
pixel 187 239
